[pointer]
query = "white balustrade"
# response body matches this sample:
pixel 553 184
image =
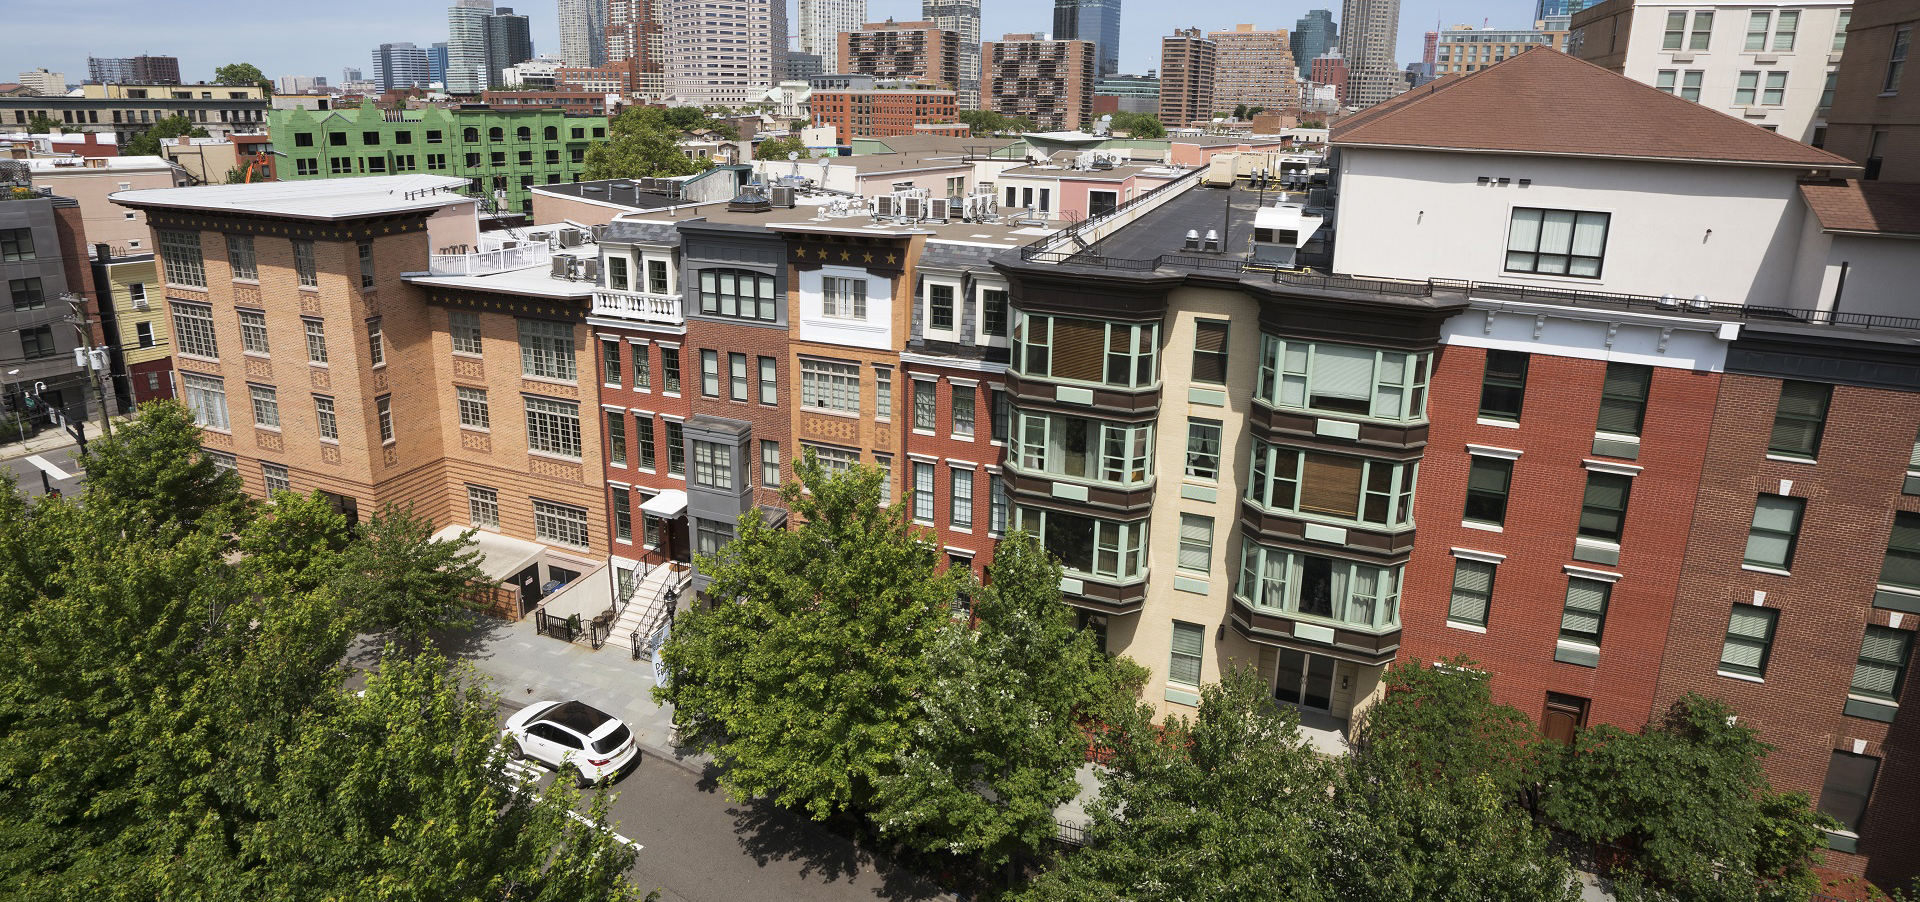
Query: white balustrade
pixel 651 308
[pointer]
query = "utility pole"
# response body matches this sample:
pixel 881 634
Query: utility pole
pixel 97 361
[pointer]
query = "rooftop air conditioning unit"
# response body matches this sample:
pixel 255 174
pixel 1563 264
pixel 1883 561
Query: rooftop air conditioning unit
pixel 599 233
pixel 940 208
pixel 783 196
pixel 883 205
pixel 915 208
pixel 569 237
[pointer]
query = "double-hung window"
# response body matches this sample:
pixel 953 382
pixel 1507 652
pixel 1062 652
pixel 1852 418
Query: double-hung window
pixel 926 409
pixel 383 410
pixel 676 448
pixel 643 432
pixel 1883 664
pixel 207 398
pixel 1210 351
pixel 1343 380
pixel 1799 419
pixel 710 374
pixel 1749 642
pixel 622 514
pixel 611 368
pixel 1585 617
pixel 240 257
pixel 1603 508
pixel 616 438
pixel 828 385
pixel 1623 399
pixel 483 507
pixel 1557 242
pixel 253 331
pixel 276 477
pixel 923 492
pixel 1760 88
pixel 1775 531
pixel 180 258
pixel 960 498
pixel 376 343
pixel 769 381
pixel 1203 448
pixel 712 465
pixel 1897 60
pixel 304 267
pixel 844 298
pixel 1848 786
pixel 316 340
pixel 1902 564
pixel 1684 83
pixel 1196 543
pixel 737 377
pixel 193 329
pixel 546 350
pixel 1472 592
pixel 769 462
pixel 465 328
pixel 670 369
pixel 1317 587
pixel 1189 649
pixel 1503 385
pixel 553 427
pixel 961 414
pixel 1489 479
pixel 328 424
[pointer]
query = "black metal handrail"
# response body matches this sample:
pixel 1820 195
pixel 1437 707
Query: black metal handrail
pixel 1046 243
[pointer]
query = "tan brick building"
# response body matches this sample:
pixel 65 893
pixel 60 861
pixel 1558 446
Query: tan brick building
pixel 1187 61
pixel 1049 82
pixel 1254 67
pixel 313 362
pixel 915 50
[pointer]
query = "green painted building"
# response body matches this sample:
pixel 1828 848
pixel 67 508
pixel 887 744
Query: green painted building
pixel 501 153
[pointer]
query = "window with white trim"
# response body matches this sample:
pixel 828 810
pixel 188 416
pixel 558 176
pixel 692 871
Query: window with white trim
pixel 253 332
pixel 1472 592
pixel 923 492
pixel 1684 83
pixel 1093 546
pixel 316 340
pixel 553 427
pixel 616 438
pixel 240 257
pixel 827 385
pixel 546 350
pixel 960 497
pixel 1196 543
pixel 304 267
pixel 328 424
pixel 882 393
pixel 483 507
pixel 207 398
pixel 466 331
pixel 1319 587
pixel 383 410
pixel 474 412
pixel 376 343
pixel 769 462
pixel 996 505
pixel 1059 348
pixel 926 413
pixel 769 381
pixel 1082 448
pixel 1343 380
pixel 276 477
pixel 843 298
pixel 833 461
pixel 712 465
pixel 1188 653
pixel 180 258
pixel 560 524
pixel 193 329
pixel 1359 490
pixel 266 405
pixel 961 412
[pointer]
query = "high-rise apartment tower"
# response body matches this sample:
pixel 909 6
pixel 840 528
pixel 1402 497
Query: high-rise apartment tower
pixel 962 17
pixel 821 24
pixel 1313 33
pixel 1369 30
pixel 1187 61
pixel 1091 20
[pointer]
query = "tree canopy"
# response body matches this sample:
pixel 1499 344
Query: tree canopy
pixel 988 122
pixel 147 143
pixel 1138 125
pixel 641 143
pixel 778 148
pixel 42 124
pixel 176 722
pixel 239 74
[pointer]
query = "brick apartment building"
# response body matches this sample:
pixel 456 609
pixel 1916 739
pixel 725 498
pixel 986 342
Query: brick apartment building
pixel 1187 62
pixel 911 50
pixel 1255 67
pixel 1048 82
pixel 1567 405
pixel 881 112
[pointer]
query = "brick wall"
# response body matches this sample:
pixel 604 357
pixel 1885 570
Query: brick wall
pixel 947 451
pixel 1851 494
pixel 1555 435
pixel 648 404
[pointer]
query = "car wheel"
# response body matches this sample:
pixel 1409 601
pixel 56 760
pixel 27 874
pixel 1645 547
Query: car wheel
pixel 519 753
pixel 581 780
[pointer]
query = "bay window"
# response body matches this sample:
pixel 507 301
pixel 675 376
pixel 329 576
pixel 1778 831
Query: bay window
pixel 1081 448
pixel 1313 586
pixel 1315 484
pixel 1088 545
pixel 1121 355
pixel 1343 380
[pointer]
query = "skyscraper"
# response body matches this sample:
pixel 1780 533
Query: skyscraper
pixel 1091 20
pixel 399 66
pixel 437 64
pixel 822 22
pixel 890 49
pixel 1549 9
pixel 467 46
pixel 1369 29
pixel 583 32
pixel 724 52
pixel 1187 61
pixel 1254 67
pixel 509 43
pixel 1047 82
pixel 138 70
pixel 633 37
pixel 1312 35
pixel 962 17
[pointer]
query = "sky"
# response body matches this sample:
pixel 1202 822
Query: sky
pixel 321 39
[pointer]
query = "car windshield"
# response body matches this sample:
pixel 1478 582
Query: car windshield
pixel 612 740
pixel 578 717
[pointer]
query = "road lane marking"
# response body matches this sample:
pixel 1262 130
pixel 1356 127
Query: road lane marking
pixel 47 467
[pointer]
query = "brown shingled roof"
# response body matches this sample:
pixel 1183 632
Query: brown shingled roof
pixel 1887 208
pixel 1546 102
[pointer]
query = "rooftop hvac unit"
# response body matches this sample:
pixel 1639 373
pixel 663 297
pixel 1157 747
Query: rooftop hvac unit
pixel 915 208
pixel 560 267
pixel 569 237
pixel 938 208
pixel 599 233
pixel 883 205
pixel 783 196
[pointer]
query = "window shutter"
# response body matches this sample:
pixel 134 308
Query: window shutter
pixel 1883 652
pixel 1586 602
pixel 1331 485
pixel 1472 585
pixel 1078 347
pixel 1750 623
pixel 1342 372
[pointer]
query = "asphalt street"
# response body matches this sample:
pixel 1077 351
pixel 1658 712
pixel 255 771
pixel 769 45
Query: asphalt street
pixel 699 846
pixel 66 459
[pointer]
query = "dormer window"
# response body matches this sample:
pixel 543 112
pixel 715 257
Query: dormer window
pixel 617 272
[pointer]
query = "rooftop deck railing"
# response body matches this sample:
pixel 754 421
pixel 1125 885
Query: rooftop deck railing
pixel 490 260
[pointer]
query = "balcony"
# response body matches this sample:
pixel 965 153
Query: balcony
pixel 658 309
pixel 493 257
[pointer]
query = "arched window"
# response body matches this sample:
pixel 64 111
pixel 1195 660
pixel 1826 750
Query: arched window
pixel 496 134
pixel 524 133
pixel 471 136
pixel 552 133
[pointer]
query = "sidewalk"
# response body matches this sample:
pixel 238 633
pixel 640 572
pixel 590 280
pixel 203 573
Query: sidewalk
pixel 54 437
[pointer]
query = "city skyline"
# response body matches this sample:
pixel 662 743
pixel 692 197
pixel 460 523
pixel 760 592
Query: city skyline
pixel 61 37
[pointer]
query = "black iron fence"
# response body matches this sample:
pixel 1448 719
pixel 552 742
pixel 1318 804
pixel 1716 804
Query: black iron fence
pixel 566 629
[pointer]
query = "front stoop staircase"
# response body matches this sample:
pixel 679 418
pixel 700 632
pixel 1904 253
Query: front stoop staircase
pixel 649 605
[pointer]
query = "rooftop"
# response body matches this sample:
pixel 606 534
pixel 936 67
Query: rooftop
pixel 72 164
pixel 1118 173
pixel 1520 106
pixel 322 199
pixel 807 217
pixel 1890 209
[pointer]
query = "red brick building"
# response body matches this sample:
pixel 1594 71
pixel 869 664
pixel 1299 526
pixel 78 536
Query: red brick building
pixel 910 50
pixel 881 113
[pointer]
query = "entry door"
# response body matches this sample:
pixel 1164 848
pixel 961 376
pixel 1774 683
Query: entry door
pixel 1305 680
pixel 1102 202
pixel 1563 717
pixel 528 581
pixel 682 548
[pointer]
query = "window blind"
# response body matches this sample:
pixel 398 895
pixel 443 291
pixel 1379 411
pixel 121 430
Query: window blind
pixel 1585 611
pixel 1623 398
pixel 1342 372
pixel 1331 485
pixel 1077 349
pixel 1472 587
pixel 1189 643
pixel 1883 654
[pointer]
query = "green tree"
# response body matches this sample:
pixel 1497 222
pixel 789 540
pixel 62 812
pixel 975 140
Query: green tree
pixel 147 143
pixel 1138 125
pixel 778 148
pixel 1229 805
pixel 1239 111
pixel 153 471
pixel 240 74
pixel 988 122
pixel 1442 720
pixel 399 578
pixel 42 124
pixel 803 679
pixel 1687 795
pixel 1427 805
pixel 641 144
pixel 986 770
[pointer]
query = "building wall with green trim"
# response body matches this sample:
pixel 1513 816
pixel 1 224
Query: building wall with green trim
pixel 495 150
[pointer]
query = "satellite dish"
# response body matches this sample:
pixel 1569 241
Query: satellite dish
pixel 792 155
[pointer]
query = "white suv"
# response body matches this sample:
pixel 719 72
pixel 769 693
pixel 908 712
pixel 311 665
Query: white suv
pixel 572 736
